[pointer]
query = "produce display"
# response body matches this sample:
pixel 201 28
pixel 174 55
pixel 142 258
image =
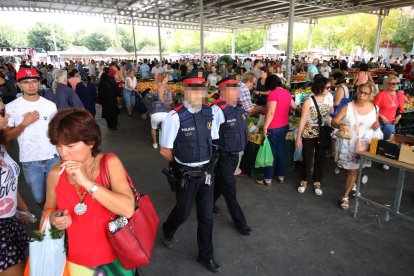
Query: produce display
pixel 255 134
pixel 172 87
pixel 377 72
pixel 303 91
pixel 298 77
pixel 408 102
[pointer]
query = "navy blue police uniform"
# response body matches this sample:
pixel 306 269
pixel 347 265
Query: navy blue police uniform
pixel 189 133
pixel 232 122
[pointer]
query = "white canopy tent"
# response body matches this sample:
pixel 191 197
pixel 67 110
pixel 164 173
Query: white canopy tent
pixel 267 50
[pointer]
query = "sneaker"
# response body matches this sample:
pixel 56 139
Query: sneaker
pixel 155 146
pixel 385 167
pixel 318 191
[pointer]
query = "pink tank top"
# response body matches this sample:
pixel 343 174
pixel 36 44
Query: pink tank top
pixel 362 78
pixel 88 243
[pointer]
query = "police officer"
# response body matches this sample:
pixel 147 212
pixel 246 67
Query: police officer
pixel 231 120
pixel 186 142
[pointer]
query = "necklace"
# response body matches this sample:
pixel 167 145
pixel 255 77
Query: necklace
pixel 81 207
pixel 392 101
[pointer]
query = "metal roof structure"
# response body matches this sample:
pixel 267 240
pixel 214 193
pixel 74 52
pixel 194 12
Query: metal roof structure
pixel 219 15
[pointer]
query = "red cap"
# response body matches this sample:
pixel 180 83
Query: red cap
pixel 227 82
pixel 27 73
pixel 194 81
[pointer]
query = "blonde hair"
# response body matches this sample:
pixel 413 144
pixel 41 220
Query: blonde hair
pixel 388 80
pixel 369 85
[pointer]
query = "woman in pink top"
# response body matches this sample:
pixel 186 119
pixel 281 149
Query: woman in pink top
pixel 276 126
pixel 363 75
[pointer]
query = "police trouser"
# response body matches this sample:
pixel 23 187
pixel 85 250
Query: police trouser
pixel 225 184
pixel 195 188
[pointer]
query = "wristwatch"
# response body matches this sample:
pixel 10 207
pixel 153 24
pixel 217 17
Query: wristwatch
pixel 94 188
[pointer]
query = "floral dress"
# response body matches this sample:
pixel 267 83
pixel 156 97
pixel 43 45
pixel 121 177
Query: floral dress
pixel 345 155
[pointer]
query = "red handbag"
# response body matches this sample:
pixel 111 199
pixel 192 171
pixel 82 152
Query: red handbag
pixel 133 243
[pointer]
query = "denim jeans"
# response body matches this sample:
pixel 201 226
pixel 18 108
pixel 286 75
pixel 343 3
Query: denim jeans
pixel 36 173
pixel 129 98
pixel 277 140
pixel 387 129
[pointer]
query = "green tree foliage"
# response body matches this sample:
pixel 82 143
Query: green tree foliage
pixel 98 41
pixel 249 40
pixel 126 39
pixel 186 41
pixel 405 34
pixel 10 37
pixel 79 37
pixel 145 41
pixel 40 36
pixel 327 33
pixel 218 46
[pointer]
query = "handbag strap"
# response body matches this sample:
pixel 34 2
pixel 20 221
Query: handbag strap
pixel 356 116
pixel 317 110
pixel 107 181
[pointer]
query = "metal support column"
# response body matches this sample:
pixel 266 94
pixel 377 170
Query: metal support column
pixel 202 33
pixel 133 35
pixel 233 44
pixel 159 34
pixel 265 39
pixel 290 39
pixel 378 37
pixel 310 34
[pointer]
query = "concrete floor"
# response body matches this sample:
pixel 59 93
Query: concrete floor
pixel 293 234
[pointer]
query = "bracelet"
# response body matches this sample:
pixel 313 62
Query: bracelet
pixel 94 188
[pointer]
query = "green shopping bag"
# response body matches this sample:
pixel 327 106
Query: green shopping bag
pixel 264 157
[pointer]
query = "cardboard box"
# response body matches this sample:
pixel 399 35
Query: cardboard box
pixel 397 148
pixel 373 146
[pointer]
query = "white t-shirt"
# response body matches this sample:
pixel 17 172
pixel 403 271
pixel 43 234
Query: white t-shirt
pixel 8 184
pixel 170 77
pixel 247 65
pixel 155 71
pixel 34 145
pixel 132 83
pixel 325 71
pixel 92 69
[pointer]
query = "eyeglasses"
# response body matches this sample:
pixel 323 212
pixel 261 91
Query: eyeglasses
pixel 28 82
pixel 364 93
pixel 394 83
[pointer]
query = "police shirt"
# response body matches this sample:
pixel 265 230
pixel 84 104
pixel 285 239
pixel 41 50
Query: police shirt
pixel 171 126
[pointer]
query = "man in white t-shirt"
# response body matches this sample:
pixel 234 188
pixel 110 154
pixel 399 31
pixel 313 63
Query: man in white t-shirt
pixel 156 70
pixel 170 72
pixel 28 122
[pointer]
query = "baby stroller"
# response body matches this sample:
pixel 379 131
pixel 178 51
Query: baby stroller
pixel 143 102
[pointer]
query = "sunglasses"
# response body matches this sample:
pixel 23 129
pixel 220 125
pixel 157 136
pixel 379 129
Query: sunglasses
pixel 394 83
pixel 365 93
pixel 327 87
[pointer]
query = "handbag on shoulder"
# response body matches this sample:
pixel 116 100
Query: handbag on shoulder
pixel 132 239
pixel 325 138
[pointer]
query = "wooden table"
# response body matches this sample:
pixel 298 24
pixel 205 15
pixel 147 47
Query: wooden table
pixel 402 167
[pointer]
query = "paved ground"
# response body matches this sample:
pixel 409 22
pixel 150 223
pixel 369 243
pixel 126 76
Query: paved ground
pixel 293 234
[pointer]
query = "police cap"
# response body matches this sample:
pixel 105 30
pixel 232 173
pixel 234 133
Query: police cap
pixel 230 81
pixel 196 78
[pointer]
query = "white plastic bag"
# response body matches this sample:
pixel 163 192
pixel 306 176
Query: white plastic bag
pixel 297 156
pixel 47 257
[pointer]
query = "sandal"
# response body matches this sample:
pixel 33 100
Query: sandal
pixel 354 191
pixel 318 191
pixel 263 182
pixel 344 203
pixel 302 187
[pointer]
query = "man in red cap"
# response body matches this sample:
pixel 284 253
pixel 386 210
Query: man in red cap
pixel 186 142
pixel 30 115
pixel 231 120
